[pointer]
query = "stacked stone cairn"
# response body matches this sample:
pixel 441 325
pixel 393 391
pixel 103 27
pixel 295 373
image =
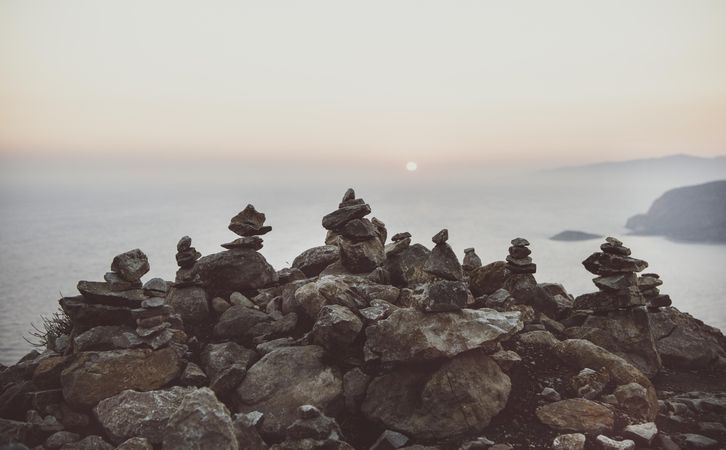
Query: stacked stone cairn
pixel 186 295
pixel 617 280
pixel 518 260
pixel 648 284
pixel 446 291
pixel 471 260
pixel 360 240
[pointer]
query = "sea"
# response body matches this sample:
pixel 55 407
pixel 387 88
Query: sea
pixel 64 221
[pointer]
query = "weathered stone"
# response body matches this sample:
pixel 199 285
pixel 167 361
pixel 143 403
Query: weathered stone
pixel 471 260
pixel 520 242
pixel 359 230
pixel 443 263
pixel 116 283
pixel 684 342
pixel 249 242
pixel 220 305
pixel 193 375
pixel 341 216
pixel 327 290
pixel 94 376
pixel 605 443
pixel 234 270
pixel 200 422
pixel 573 441
pixel 228 379
pixel 577 414
pixel 314 260
pixel 91 442
pixel 381 230
pixel 190 302
pixel 267 387
pixel 401 236
pixel 643 434
pixel 355 383
pixel 633 399
pixel 697 441
pixel 288 275
pixel 616 282
pixel 506 359
pixel 217 357
pixel 131 265
pixel 47 373
pixel 548 394
pixel 406 267
pixel 609 264
pixel 362 256
pixel 240 322
pixel 106 337
pixel 389 440
pixel 249 222
pixel 61 438
pixel 487 279
pixel 589 383
pixel 101 293
pixel 143 414
pixel 444 295
pixel 336 328
pixel 460 397
pixel 409 335
pixel 610 301
pixel 136 443
pixel 538 338
pixel 519 252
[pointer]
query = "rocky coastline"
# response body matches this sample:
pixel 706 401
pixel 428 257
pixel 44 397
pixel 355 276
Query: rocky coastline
pixel 367 342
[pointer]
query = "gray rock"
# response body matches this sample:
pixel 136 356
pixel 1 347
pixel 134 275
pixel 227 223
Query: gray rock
pixel 106 337
pixel 362 256
pixel 60 438
pixel 267 387
pixel 697 441
pixel 156 285
pixel 249 242
pixel 249 222
pixel 389 440
pixel 684 342
pixel 609 264
pixel 406 267
pixel 550 395
pixel 506 359
pixel 341 216
pixel 241 322
pixel 573 441
pixel 336 328
pixel 355 383
pixel 131 265
pixel 136 443
pixel 215 358
pixel 201 422
pixel 606 443
pixel 577 414
pixel 610 301
pixel 234 270
pixel 633 399
pixel 590 384
pixel 91 442
pixel 359 230
pixel 471 259
pixel 327 290
pixel 458 398
pixel 643 434
pixel 314 260
pixel 616 282
pixel 153 302
pixel 101 293
pixel 144 414
pixel 443 263
pixel 193 375
pixel 487 279
pixel 444 295
pixel 409 335
pixel 116 283
pixel 190 302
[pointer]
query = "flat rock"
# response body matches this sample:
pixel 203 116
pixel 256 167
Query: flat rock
pixel 328 290
pixel 458 398
pixel 313 260
pixel 643 433
pixel 144 414
pixel 234 270
pixel 487 279
pixel 131 265
pixel 610 301
pixel 609 264
pixel 606 443
pixel 239 322
pixel 616 282
pixel 201 422
pixel 94 376
pixel 100 292
pixel 577 414
pixel 106 337
pixel 341 216
pixel 116 283
pixel 249 222
pixel 268 388
pixel 409 335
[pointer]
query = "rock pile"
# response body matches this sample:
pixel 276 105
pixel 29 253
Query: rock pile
pixel 360 240
pixel 326 355
pixel 471 260
pixel 648 284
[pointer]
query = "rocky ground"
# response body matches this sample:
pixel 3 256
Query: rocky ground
pixel 367 342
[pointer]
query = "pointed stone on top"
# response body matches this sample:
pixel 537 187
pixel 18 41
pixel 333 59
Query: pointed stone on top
pixel 614 247
pixel 441 237
pixel 400 236
pixel 249 222
pixel 520 242
pixel 469 250
pixel 613 241
pixel 349 195
pixel 184 244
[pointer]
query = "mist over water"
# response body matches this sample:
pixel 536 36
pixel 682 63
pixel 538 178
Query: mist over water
pixel 61 222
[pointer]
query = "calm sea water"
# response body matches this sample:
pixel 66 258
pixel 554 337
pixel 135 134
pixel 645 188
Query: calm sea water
pixel 56 229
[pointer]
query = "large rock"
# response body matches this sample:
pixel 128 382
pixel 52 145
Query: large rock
pixel 328 290
pixel 132 265
pixel 488 279
pixel 200 422
pixel 100 292
pixel 409 335
pixel 217 357
pixel 313 260
pixel 627 333
pixel 231 271
pixel 85 314
pixel 106 337
pixel 190 302
pixel 684 342
pixel 606 264
pixel 94 376
pixel 577 414
pixel 239 322
pixel 459 398
pixel 336 328
pixel 284 379
pixel 443 263
pixel 361 256
pixel 249 222
pixel 143 414
pixel 581 354
pixel 341 216
pixel 406 267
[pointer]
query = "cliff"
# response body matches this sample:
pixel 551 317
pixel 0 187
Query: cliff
pixel 366 342
pixel 691 213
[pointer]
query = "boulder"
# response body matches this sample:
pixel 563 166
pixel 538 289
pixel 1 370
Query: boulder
pixel 443 263
pixel 487 279
pixel 85 314
pixel 573 441
pixel 406 267
pixel 217 357
pixel 143 414
pixel 136 443
pixel 458 398
pixel 606 264
pixel 633 399
pixel 313 260
pixel 444 295
pixel 328 290
pixel 341 216
pixel 91 442
pixel 190 303
pixel 249 222
pixel 643 434
pixel 684 342
pixel 577 414
pixel 132 265
pixel 240 322
pixel 101 293
pixel 94 376
pixel 284 379
pixel 361 256
pixel 409 335
pixel 106 337
pixel 605 443
pixel 200 422
pixel 336 328
pixel 234 270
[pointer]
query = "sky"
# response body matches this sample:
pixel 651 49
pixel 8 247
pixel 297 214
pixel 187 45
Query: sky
pixel 376 81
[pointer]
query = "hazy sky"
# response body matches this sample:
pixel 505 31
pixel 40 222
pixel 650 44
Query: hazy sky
pixel 371 80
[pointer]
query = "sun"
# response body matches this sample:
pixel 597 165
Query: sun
pixel 411 166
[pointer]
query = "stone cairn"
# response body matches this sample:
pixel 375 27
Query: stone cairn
pixel 471 260
pixel 518 260
pixel 447 291
pixel 648 284
pixel 617 280
pixel 250 225
pixel 360 240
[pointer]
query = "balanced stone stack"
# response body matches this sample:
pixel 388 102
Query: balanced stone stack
pixel 447 291
pixel 360 240
pixel 471 260
pixel 519 261
pixel 648 284
pixel 617 280
pixel 186 257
